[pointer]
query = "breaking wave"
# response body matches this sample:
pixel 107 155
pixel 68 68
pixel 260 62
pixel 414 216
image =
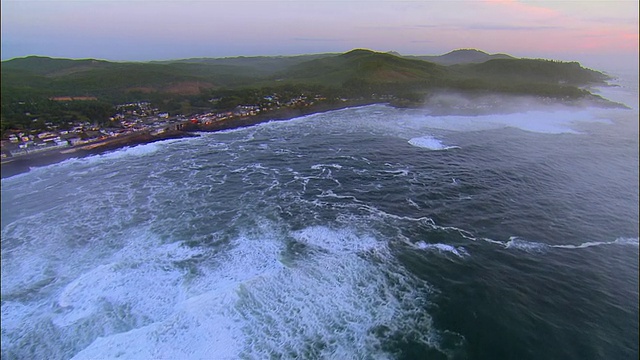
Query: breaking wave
pixel 430 143
pixel 532 246
pixel 320 237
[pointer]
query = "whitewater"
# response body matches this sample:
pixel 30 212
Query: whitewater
pixel 369 232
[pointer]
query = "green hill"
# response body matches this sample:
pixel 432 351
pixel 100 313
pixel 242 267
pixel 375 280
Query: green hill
pixel 189 84
pixel 111 80
pixel 462 56
pixel 363 65
pixel 255 65
pixel 52 67
pixel 532 70
pixel 46 77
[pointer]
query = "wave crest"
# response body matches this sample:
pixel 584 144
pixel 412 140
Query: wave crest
pixel 431 143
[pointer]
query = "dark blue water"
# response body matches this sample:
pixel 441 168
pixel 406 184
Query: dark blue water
pixel 370 232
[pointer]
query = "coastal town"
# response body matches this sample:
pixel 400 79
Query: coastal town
pixel 143 118
pixel 138 118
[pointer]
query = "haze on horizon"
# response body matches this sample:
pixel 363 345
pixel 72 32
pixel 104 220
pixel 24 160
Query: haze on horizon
pixel 593 32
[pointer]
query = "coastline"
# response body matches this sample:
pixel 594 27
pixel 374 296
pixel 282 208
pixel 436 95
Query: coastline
pixel 22 164
pixel 277 115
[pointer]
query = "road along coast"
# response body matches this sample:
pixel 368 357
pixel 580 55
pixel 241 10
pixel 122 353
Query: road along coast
pixel 20 164
pixel 23 163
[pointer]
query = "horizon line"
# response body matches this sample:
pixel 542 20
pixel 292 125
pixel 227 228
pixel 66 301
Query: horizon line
pixel 392 52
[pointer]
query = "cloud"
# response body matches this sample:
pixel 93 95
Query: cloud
pixel 317 39
pixel 615 20
pixel 387 27
pixel 511 27
pixel 607 40
pixel 98 28
pixel 519 7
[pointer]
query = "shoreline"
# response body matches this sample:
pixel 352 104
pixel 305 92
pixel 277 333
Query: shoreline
pixel 24 163
pixel 282 114
pixel 21 164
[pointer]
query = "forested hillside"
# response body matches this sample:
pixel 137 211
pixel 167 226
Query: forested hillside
pixel 32 87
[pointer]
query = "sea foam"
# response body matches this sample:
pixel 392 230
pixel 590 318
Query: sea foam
pixel 328 302
pixel 539 247
pixel 443 248
pixel 431 143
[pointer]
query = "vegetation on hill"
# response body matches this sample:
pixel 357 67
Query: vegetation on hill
pixel 255 65
pixel 533 71
pixel 181 86
pixel 52 67
pixel 462 56
pixel 362 65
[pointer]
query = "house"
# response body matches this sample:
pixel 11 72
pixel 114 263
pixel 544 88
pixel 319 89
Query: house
pixel 75 140
pixel 47 136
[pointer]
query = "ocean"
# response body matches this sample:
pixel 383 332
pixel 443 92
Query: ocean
pixel 363 233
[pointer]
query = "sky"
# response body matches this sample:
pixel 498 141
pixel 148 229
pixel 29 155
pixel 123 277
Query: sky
pixel 141 30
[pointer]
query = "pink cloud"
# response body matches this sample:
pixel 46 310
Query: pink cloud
pixel 517 7
pixel 590 38
pixel 608 40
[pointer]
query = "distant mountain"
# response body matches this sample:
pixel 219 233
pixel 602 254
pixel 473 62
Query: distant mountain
pixel 258 65
pixel 360 71
pixel 462 56
pixel 182 86
pixel 362 65
pixel 67 77
pixel 51 67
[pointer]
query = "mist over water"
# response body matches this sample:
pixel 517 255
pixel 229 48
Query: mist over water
pixel 369 232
